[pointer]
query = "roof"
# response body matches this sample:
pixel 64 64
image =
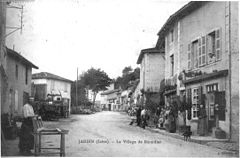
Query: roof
pixel 13 54
pixel 110 91
pixel 185 10
pixel 149 50
pixel 46 75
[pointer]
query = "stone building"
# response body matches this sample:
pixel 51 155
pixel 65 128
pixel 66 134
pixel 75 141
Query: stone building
pixel 201 51
pixel 19 75
pixel 45 83
pixel 152 69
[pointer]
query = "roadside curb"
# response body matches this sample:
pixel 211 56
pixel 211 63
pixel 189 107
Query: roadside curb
pixel 203 142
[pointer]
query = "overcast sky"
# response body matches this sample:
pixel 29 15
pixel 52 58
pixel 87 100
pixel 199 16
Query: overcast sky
pixel 60 35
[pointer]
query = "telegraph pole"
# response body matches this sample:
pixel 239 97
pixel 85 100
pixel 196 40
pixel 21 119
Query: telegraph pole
pixel 77 88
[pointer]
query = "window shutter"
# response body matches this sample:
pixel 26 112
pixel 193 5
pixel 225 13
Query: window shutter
pixel 200 97
pixel 220 100
pixel 189 56
pixel 204 49
pixel 196 56
pixel 166 44
pixel 189 97
pixel 207 48
pixel 192 56
pixel 199 52
pixel 218 44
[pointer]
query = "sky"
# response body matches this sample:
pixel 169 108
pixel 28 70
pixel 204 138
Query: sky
pixel 60 36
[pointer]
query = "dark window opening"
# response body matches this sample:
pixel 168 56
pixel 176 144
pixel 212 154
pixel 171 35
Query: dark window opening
pixel 172 64
pixel 16 71
pixel 26 75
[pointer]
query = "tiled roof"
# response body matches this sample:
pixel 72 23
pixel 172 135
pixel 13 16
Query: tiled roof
pixel 13 54
pixel 47 75
pixel 149 50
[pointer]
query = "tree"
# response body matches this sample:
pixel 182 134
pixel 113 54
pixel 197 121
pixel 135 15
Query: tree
pixel 81 93
pixel 95 80
pixel 126 70
pixel 127 76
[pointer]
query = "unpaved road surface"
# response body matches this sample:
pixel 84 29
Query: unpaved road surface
pixel 109 134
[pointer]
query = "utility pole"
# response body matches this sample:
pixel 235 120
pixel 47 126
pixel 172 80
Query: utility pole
pixel 77 88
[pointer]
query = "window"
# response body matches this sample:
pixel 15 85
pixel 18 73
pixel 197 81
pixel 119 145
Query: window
pixel 195 102
pixel 172 64
pixel 205 50
pixel 16 100
pixel 202 51
pixel 189 56
pixel 171 36
pixel 212 88
pixel 194 53
pixel 16 72
pixel 26 75
pixel 214 45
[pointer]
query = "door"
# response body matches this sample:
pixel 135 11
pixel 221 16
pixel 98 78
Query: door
pixel 210 103
pixel 109 107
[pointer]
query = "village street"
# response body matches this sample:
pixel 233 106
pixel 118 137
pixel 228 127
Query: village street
pixel 103 134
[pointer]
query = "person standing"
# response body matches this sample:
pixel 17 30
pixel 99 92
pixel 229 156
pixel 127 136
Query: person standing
pixel 138 116
pixel 202 121
pixel 172 121
pixel 157 116
pixel 143 118
pixel 26 138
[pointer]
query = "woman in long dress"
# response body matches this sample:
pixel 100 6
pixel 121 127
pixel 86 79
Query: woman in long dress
pixel 202 121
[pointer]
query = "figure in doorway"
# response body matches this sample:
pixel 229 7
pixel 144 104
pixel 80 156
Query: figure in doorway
pixel 202 121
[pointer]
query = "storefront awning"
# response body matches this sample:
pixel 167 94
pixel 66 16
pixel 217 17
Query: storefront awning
pixel 170 91
pixel 205 77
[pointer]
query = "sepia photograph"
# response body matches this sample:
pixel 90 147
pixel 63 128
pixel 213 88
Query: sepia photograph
pixel 119 78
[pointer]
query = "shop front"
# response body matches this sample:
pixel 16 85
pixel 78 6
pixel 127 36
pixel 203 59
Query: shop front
pixel 207 96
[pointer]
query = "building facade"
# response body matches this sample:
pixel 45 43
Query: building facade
pixel 152 69
pixel 19 75
pixel 112 100
pixel 45 83
pixel 202 63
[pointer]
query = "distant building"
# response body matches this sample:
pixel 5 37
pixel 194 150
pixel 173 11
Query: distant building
pixel 19 76
pixel 152 63
pixel 45 83
pixel 112 97
pixel 136 91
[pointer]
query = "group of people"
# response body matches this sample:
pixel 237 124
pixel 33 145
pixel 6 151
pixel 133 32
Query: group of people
pixel 139 115
pixel 161 117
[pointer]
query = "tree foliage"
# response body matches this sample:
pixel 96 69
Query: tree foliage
pixel 81 93
pixel 127 76
pixel 95 80
pixel 127 70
